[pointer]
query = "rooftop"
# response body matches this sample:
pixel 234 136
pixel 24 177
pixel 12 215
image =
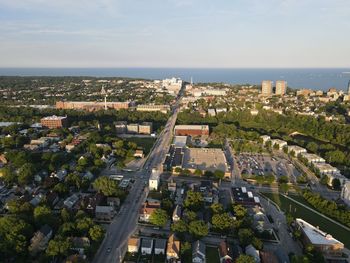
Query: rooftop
pixel 315 235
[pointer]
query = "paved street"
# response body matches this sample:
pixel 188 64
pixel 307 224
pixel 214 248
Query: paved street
pixel 113 246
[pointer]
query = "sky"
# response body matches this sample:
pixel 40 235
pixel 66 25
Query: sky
pixel 175 33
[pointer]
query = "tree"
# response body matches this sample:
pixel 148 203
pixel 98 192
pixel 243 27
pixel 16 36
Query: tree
pixel 208 174
pixel 218 174
pixel 222 222
pixel 178 170
pixel 185 249
pixel 59 246
pixel 193 200
pixel 284 188
pixel 239 211
pixel 43 215
pixel 167 205
pixel 26 174
pixel 107 186
pixel 84 224
pixel 245 259
pixel 159 217
pixel 198 229
pixel 198 172
pixel 8 175
pixel 14 237
pixel 217 208
pixel 245 236
pixel 96 233
pixel 61 189
pixel 190 215
pixel 283 179
pixel 179 227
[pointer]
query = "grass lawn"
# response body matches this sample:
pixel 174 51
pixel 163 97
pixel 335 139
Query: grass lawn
pixel 212 254
pixel 298 211
pixel 145 143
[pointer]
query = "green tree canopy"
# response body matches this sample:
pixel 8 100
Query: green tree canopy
pixel 159 217
pixel 198 229
pixel 193 200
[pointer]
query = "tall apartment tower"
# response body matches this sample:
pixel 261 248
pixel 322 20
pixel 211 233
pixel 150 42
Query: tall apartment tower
pixel 281 87
pixel 266 87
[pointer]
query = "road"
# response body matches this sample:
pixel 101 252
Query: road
pixel 114 245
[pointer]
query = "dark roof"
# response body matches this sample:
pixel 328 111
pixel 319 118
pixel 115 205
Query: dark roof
pixel 147 242
pixel 45 229
pixel 160 243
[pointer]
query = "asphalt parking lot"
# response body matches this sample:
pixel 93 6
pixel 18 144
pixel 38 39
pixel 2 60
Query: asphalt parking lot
pixel 258 164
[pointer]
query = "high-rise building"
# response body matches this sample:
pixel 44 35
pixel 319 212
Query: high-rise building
pixel 281 87
pixel 266 87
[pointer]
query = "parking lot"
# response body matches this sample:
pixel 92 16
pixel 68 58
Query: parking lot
pixel 259 165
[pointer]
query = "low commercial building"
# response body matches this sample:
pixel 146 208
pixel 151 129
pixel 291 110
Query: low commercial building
pixel 145 128
pixel 150 107
pixel 296 149
pixel 154 180
pixel 320 240
pixel 191 130
pixel 244 197
pixel 312 158
pixel 180 141
pixel 132 128
pixel 92 105
pixel 265 138
pixel 205 159
pixel 327 169
pixel 279 143
pixel 174 158
pixel 54 122
pixel 120 127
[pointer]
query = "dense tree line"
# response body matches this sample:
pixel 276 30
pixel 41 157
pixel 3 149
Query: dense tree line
pixel 329 208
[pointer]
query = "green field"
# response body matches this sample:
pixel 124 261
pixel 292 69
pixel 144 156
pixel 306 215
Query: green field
pixel 298 211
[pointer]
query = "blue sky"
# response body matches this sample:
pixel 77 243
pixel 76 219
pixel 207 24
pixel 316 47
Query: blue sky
pixel 174 33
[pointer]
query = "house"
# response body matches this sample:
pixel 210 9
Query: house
pixel 104 213
pixel 154 180
pixel 71 201
pixel 113 201
pixel 79 244
pixel 177 213
pixel 172 187
pixel 147 246
pixel 198 252
pixel 139 154
pixel 159 246
pixel 146 210
pixel 224 253
pixel 253 252
pixel 133 245
pixel 40 240
pixel 173 248
pixel 268 257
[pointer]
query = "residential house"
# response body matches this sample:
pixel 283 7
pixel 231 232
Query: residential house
pixel 224 253
pixel 133 245
pixel 253 252
pixel 147 246
pixel 40 240
pixel 80 244
pixel 104 213
pixel 159 246
pixel 173 248
pixel 177 213
pixel 146 210
pixel 71 201
pixel 198 252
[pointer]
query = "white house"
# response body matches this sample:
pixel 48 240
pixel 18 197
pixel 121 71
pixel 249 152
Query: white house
pixel 279 143
pixel 177 213
pixel 296 149
pixel 159 246
pixel 198 252
pixel 147 246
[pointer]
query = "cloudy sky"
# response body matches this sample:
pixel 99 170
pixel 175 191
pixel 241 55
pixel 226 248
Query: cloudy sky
pixel 174 33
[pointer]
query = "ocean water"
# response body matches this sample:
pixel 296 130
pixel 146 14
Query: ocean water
pixel 313 78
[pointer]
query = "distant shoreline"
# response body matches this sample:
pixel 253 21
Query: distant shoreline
pixel 297 78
